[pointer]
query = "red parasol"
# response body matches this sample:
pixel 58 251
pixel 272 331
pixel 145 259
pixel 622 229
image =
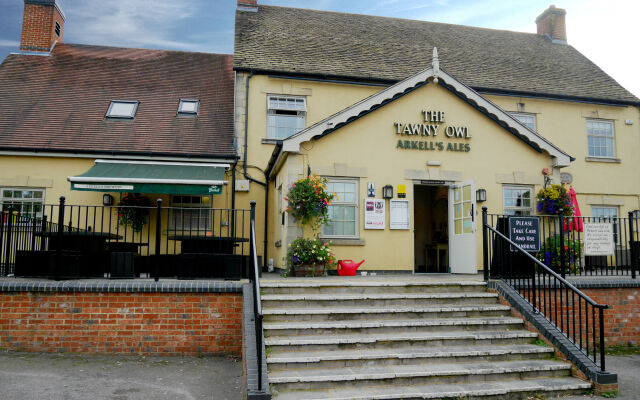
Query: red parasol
pixel 574 223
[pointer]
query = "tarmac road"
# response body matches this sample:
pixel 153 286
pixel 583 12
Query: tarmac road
pixel 27 376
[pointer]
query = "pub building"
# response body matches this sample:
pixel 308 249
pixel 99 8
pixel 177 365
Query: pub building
pixel 427 121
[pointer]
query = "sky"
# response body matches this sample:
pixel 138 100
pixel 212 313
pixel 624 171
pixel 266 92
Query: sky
pixel 606 31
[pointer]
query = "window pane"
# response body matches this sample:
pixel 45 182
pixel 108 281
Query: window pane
pixel 121 109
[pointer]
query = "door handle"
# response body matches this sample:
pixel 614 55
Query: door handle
pixel 473 214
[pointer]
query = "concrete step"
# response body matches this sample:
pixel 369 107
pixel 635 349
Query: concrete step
pixel 348 285
pixel 416 374
pixel 315 300
pixel 401 339
pixel 301 328
pixel 365 312
pixel 301 358
pixel 505 390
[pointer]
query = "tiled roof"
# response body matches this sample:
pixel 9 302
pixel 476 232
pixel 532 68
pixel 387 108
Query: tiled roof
pixel 59 102
pixel 298 41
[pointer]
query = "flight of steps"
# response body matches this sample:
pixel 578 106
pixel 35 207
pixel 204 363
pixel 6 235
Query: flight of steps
pixel 393 338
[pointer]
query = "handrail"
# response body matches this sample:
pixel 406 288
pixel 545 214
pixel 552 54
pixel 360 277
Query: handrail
pixel 257 302
pixel 550 271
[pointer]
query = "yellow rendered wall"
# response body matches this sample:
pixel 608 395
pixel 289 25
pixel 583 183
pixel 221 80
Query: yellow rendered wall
pixel 369 144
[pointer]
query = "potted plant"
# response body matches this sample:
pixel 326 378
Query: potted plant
pixel 554 200
pixel 133 211
pixel 551 254
pixel 309 257
pixel 308 201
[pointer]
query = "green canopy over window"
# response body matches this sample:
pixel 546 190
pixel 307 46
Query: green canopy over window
pixel 151 177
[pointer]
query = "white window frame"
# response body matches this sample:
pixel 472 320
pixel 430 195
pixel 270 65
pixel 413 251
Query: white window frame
pixel 520 116
pixel 132 115
pixel 173 218
pixel 355 203
pixel 4 200
pixel 531 207
pixel 272 111
pixel 184 112
pixel 607 219
pixel 612 138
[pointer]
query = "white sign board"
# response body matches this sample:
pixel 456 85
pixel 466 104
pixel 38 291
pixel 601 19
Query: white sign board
pixel 399 214
pixel 598 239
pixel 375 215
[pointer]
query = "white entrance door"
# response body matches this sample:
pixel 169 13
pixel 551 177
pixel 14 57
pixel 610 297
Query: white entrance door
pixel 462 228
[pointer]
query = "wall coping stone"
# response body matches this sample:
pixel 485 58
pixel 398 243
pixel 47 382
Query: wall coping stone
pixel 121 286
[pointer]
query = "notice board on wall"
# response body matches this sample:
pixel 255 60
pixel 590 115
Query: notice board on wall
pixel 598 239
pixel 399 214
pixel 375 215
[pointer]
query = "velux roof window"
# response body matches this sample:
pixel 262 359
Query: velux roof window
pixel 122 109
pixel 188 107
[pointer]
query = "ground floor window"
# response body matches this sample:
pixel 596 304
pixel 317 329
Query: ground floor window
pixel 190 213
pixel 24 203
pixel 343 211
pixel 516 200
pixel 607 214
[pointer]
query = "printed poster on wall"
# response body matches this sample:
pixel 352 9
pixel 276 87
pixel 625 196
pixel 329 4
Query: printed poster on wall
pixel 399 214
pixel 598 239
pixel 375 214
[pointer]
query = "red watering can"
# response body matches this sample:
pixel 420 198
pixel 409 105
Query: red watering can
pixel 348 267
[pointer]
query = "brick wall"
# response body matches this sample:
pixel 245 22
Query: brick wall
pixel 38 27
pixel 122 323
pixel 622 319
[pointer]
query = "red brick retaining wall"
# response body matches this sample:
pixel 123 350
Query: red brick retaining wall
pixel 622 319
pixel 122 323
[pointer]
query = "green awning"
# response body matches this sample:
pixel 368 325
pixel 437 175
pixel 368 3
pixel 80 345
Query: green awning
pixel 151 177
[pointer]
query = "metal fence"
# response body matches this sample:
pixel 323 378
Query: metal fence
pixel 124 241
pixel 562 245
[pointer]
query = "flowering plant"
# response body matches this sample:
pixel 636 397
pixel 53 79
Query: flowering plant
pixel 551 254
pixel 554 200
pixel 309 251
pixel 308 201
pixel 133 211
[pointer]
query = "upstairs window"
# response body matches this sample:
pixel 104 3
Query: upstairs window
pixel 286 116
pixel 188 107
pixel 122 109
pixel 600 138
pixel 528 120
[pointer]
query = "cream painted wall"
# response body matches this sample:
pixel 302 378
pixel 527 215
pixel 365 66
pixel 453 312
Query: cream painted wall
pixel 368 147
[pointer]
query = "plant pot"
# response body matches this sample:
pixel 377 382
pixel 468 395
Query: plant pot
pixel 309 270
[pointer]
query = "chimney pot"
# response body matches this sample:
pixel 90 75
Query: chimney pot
pixel 42 25
pixel 249 5
pixel 551 23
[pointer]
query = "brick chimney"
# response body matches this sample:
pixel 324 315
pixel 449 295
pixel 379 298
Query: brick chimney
pixel 42 25
pixel 552 24
pixel 248 5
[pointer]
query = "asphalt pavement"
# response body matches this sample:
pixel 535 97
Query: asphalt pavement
pixel 628 370
pixel 27 376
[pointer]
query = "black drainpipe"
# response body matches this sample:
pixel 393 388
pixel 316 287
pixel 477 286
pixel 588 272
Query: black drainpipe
pixel 246 175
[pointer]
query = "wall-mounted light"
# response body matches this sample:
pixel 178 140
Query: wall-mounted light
pixel 481 196
pixel 107 200
pixel 387 192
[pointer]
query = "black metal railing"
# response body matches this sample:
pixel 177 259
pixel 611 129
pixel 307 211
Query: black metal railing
pixel 573 313
pixel 96 241
pixel 257 302
pixel 562 245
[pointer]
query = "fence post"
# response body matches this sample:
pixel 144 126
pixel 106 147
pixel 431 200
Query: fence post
pixel 602 355
pixel 485 244
pixel 252 218
pixel 58 258
pixel 633 247
pixel 562 261
pixel 44 229
pixel 7 249
pixel 156 268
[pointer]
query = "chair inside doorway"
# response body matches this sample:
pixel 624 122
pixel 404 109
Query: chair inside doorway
pixel 431 236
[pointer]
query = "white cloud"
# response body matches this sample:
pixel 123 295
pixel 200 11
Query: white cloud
pixel 133 23
pixel 9 43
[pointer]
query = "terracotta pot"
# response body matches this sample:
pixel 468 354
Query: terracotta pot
pixel 309 270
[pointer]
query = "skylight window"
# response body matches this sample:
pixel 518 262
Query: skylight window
pixel 122 109
pixel 188 106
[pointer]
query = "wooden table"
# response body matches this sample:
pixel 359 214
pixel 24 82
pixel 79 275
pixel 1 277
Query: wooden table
pixel 208 244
